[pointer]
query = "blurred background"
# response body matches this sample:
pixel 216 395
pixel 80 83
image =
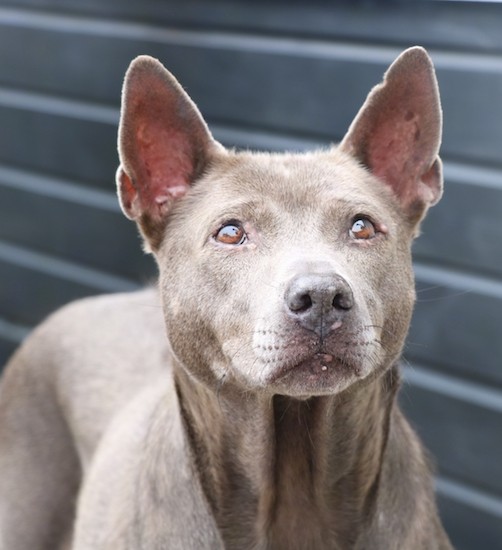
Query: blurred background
pixel 268 75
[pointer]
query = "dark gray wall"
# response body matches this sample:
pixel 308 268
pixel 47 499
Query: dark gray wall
pixel 267 75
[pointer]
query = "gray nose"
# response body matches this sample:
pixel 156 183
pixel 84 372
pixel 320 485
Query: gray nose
pixel 319 300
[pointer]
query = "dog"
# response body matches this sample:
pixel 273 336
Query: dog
pixel 248 402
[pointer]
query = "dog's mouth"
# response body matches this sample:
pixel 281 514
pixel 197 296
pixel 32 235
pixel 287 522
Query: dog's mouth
pixel 320 373
pixel 298 363
pixel 319 364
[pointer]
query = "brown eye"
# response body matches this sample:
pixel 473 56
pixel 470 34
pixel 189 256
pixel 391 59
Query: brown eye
pixel 362 228
pixel 231 233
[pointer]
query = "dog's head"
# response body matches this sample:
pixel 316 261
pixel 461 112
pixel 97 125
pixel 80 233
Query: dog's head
pixel 283 273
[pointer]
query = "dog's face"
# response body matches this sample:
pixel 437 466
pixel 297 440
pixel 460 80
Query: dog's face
pixel 289 273
pixel 283 273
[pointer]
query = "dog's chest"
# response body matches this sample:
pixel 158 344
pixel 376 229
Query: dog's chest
pixel 293 506
pixel 298 528
pixel 301 528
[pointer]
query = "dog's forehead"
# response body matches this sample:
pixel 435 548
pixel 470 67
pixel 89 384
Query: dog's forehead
pixel 299 181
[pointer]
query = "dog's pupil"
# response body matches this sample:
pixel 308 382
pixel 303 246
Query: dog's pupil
pixel 230 234
pixel 363 229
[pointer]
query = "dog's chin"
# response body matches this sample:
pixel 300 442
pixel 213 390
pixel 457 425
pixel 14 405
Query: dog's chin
pixel 320 374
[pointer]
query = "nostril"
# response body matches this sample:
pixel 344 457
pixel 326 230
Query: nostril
pixel 300 302
pixel 342 301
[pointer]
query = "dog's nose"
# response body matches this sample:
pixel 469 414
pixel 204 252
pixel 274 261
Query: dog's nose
pixel 319 301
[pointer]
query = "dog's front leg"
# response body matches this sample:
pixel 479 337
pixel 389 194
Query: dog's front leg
pixel 143 489
pixel 39 466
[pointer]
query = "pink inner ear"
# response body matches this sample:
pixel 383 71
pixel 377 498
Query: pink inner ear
pixel 163 140
pixel 398 130
pixel 167 165
pixel 394 152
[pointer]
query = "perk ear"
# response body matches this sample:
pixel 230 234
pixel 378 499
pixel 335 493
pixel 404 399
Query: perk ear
pixel 397 132
pixel 164 146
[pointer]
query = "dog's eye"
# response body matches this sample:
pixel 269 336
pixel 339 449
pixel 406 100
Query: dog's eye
pixel 362 228
pixel 231 233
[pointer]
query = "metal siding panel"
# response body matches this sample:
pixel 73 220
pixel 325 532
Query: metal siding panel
pixel 447 24
pixel 81 233
pixel 33 285
pixel 28 296
pixel 464 438
pixel 325 77
pixel 70 148
pixel 268 89
pixel 464 230
pixel 458 329
pixel 469 527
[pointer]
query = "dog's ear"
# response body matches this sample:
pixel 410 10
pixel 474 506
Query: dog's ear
pixel 397 132
pixel 164 146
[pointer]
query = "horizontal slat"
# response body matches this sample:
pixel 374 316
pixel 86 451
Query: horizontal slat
pixel 464 494
pixel 461 431
pixel 286 84
pixel 474 394
pixel 52 187
pixel 58 106
pixel 28 296
pixel 469 526
pixel 464 229
pixel 76 149
pixel 32 285
pixel 457 323
pixel 472 25
pixel 72 222
pixel 60 268
pixel 472 519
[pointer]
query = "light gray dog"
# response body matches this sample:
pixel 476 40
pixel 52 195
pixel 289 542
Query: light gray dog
pixel 267 418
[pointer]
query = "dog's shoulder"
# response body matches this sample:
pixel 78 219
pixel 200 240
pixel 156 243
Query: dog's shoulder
pixel 106 323
pixel 143 484
pixel 92 357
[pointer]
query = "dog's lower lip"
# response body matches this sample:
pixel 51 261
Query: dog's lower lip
pixel 320 363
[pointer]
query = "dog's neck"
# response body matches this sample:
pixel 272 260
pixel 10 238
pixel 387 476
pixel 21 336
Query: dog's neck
pixel 278 469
